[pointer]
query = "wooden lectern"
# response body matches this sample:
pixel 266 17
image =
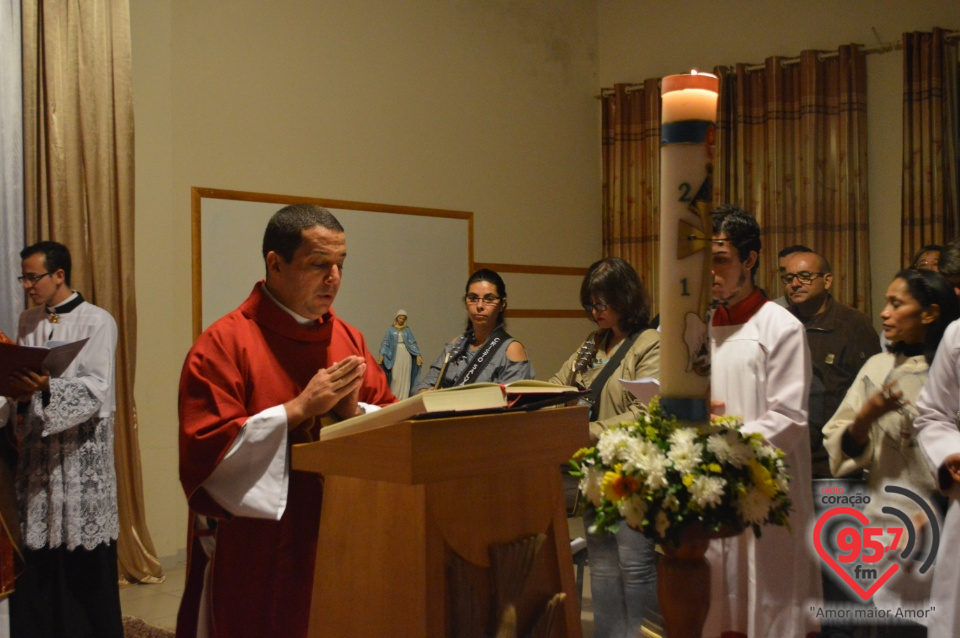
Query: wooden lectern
pixel 411 511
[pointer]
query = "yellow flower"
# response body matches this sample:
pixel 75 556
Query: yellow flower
pixel 582 452
pixel 616 486
pixel 688 480
pixel 762 479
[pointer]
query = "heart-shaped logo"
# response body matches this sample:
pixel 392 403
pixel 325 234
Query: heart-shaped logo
pixel 818 544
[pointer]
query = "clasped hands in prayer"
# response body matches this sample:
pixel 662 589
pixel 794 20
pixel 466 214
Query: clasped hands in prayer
pixel 335 389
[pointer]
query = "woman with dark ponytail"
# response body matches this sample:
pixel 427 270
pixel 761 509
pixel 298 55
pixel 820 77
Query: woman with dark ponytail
pixel 484 352
pixel 873 429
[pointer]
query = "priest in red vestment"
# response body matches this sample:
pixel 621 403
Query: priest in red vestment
pixel 256 382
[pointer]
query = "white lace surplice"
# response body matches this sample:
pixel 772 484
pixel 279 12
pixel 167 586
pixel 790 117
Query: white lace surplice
pixel 66 479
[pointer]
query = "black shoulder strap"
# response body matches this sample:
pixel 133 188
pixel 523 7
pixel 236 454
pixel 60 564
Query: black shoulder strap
pixel 596 387
pixel 481 358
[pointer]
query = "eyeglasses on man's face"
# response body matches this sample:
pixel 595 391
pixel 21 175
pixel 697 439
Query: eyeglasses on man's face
pixel 31 280
pixel 487 300
pixel 595 307
pixel 805 276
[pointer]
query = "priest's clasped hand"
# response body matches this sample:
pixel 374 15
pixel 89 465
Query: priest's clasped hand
pixel 336 389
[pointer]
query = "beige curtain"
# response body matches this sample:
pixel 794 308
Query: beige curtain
pixel 792 150
pixel 78 156
pixel 931 146
pixel 631 177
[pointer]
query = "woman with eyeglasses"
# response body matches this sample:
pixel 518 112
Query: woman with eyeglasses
pixel 623 566
pixel 484 352
pixel 873 427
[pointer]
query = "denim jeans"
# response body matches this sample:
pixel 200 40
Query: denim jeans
pixel 623 581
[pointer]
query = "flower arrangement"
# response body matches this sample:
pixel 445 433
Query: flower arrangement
pixel 660 477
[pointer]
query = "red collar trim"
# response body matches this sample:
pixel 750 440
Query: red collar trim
pixel 740 313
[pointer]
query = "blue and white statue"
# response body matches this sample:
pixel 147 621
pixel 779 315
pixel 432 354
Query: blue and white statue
pixel 400 356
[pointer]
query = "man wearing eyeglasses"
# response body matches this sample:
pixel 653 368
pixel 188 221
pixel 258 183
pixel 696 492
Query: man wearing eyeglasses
pixel 841 339
pixel 65 481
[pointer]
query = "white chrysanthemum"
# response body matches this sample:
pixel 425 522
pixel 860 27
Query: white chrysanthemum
pixel 765 450
pixel 663 523
pixel 655 468
pixel 682 436
pixel 633 452
pixel 591 485
pixel 730 449
pixel 707 491
pixel 685 453
pixel 610 445
pixel 754 506
pixel 633 509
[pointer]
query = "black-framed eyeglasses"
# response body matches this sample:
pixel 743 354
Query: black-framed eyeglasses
pixel 595 307
pixel 33 279
pixel 487 300
pixel 805 276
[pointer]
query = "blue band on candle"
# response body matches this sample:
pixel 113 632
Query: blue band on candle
pixel 685 132
pixel 685 409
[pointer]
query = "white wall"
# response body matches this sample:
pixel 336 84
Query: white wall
pixel 479 106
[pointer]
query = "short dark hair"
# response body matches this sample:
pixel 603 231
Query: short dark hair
pixel 796 248
pixel 614 281
pixel 56 257
pixel 929 287
pixel 485 274
pixel 284 231
pixel 950 259
pixel 929 248
pixel 741 228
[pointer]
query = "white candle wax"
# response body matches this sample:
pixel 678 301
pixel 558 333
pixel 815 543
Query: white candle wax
pixel 689 104
pixel 685 163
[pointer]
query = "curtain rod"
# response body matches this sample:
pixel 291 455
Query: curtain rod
pixel 885 47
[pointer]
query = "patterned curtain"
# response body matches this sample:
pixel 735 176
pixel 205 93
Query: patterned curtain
pixel 78 140
pixel 931 142
pixel 792 150
pixel 631 177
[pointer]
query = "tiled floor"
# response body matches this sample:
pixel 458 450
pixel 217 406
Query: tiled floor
pixel 157 604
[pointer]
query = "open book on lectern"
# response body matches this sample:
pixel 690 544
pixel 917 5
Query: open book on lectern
pixel 528 394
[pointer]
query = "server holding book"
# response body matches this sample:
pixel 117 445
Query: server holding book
pixel 66 483
pixel 484 352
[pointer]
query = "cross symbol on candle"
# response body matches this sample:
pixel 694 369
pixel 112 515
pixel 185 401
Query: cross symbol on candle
pixel 691 240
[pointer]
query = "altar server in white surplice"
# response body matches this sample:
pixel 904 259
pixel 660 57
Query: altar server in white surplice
pixel 66 480
pixel 939 437
pixel 761 371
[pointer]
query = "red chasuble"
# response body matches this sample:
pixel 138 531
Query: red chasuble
pixel 255 358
